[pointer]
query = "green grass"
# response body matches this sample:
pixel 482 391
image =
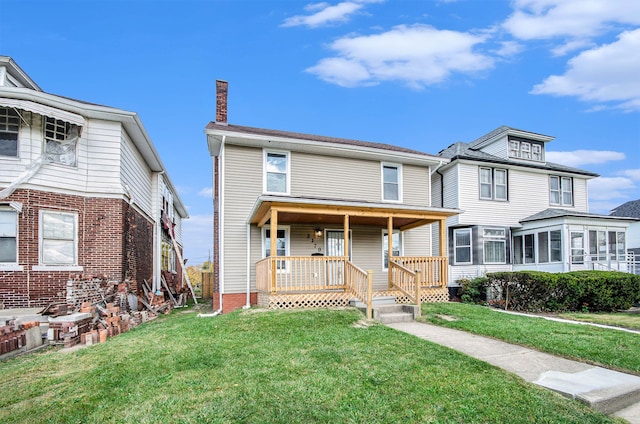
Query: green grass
pixel 271 367
pixel 610 348
pixel 620 319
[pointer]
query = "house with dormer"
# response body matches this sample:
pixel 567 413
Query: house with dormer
pixel 520 211
pixel 83 191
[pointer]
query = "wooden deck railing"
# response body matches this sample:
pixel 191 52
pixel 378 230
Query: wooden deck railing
pixel 360 284
pixel 287 274
pixel 405 280
pixel 433 268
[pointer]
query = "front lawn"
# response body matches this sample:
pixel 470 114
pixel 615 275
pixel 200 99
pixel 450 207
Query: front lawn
pixel 322 366
pixel 619 319
pixel 609 348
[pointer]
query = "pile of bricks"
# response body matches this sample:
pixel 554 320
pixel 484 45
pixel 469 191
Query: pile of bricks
pixel 68 329
pixel 12 336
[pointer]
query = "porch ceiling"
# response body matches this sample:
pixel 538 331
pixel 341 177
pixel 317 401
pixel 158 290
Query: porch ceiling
pixel 298 210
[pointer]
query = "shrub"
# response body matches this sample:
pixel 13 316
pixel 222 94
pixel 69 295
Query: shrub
pixel 536 291
pixel 474 290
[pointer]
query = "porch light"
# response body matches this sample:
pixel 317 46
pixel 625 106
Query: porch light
pixel 317 232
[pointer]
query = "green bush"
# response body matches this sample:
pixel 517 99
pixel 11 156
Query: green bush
pixel 536 291
pixel 475 290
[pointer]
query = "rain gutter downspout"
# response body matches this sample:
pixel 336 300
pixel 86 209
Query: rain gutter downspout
pixel 248 302
pixel 441 182
pixel 220 288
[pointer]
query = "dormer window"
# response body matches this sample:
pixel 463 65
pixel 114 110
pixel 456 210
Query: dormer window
pixel 527 150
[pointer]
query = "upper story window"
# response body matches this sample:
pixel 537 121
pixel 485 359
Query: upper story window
pixel 277 172
pixel 8 236
pixel 60 140
pixel 58 238
pixel 391 182
pixel 560 191
pixel 493 184
pixel 9 129
pixel 529 150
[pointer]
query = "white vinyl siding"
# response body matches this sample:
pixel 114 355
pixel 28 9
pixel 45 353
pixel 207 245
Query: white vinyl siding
pixel 136 176
pixel 242 185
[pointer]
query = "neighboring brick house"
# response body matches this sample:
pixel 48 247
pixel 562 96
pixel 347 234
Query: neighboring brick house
pixel 82 191
pixel 521 212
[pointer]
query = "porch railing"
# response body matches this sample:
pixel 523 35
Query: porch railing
pixel 287 274
pixel 360 284
pixel 432 268
pixel 405 280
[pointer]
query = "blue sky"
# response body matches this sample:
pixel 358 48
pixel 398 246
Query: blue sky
pixel 419 74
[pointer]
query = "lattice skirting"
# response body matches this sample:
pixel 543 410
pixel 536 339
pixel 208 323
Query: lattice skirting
pixel 337 299
pixel 303 300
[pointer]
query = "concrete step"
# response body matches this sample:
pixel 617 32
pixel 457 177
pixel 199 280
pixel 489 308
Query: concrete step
pixel 606 390
pixel 376 301
pixel 391 317
pixel 630 413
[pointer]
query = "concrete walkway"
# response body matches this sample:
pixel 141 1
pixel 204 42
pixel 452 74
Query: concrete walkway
pixel 611 392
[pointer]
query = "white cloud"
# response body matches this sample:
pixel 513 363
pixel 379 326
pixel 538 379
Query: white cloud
pixel 605 74
pixel 581 19
pixel 206 192
pixel 570 46
pixel 509 48
pixel 634 174
pixel 326 14
pixel 418 55
pixel 579 158
pixel 609 188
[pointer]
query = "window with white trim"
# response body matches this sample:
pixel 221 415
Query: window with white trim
pixel 58 238
pixel 9 130
pixel 391 182
pixel 528 150
pixel 549 246
pixel 282 244
pixel 61 139
pixel 494 246
pixel 577 247
pixel 493 184
pixel 396 246
pixel 8 236
pixel 462 246
pixel 560 191
pixel 276 172
pixel 524 249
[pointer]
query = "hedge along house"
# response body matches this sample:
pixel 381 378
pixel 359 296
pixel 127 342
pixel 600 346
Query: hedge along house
pixel 307 221
pixel 82 191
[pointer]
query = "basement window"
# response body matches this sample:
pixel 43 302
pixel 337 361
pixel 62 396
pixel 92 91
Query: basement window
pixel 61 139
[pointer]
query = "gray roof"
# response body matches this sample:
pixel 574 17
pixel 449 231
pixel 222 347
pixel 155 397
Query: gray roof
pixel 310 137
pixel 631 209
pixel 560 213
pixel 461 150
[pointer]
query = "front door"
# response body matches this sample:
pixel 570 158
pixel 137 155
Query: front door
pixel 334 240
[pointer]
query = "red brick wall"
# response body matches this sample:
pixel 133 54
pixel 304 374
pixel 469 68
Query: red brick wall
pixel 101 247
pixel 233 301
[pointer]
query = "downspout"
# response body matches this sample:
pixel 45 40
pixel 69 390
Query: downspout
pixel 441 182
pixel 248 303
pixel 220 220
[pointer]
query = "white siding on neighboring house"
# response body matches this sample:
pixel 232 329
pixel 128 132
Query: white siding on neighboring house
pixel 498 148
pixel 102 156
pixel 178 228
pixel 580 196
pixel 137 177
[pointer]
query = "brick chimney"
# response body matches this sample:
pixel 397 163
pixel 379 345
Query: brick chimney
pixel 221 101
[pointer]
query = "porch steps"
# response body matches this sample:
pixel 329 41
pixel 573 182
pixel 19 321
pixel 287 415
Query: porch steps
pixel 376 301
